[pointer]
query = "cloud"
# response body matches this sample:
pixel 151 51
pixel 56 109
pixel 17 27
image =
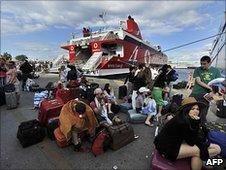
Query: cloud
pixel 162 17
pixel 190 55
pixel 35 49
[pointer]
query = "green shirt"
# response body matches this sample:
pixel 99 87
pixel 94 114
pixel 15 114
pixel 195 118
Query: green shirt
pixel 206 76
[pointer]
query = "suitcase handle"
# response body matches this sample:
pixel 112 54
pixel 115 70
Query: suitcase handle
pixel 121 127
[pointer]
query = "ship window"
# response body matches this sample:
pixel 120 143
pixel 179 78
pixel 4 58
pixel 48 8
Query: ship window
pixel 109 46
pixel 104 54
pixel 112 52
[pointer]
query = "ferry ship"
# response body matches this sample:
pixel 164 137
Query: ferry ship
pixel 217 53
pixel 110 52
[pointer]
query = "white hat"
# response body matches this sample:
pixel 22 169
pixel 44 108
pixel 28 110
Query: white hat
pixel 98 91
pixel 143 89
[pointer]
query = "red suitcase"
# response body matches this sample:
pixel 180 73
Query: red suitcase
pixel 49 109
pixel 66 94
pixel 160 163
pixel 60 138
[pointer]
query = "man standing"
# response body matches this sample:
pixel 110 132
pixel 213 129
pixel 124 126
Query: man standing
pixel 26 70
pixel 203 75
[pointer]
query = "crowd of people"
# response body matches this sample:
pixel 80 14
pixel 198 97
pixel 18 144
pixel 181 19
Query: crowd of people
pixel 180 136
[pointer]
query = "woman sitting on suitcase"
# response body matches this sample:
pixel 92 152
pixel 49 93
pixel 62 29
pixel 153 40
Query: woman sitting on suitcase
pixel 183 136
pixel 76 117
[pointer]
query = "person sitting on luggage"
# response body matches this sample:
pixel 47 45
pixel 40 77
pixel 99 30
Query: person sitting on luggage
pixel 183 136
pixel 109 93
pixel 140 98
pixel 100 107
pixel 149 108
pixel 76 117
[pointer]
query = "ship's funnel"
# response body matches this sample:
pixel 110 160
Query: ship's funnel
pixel 133 28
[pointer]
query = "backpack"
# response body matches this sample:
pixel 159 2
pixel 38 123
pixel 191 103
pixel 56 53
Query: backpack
pixel 174 75
pixel 101 142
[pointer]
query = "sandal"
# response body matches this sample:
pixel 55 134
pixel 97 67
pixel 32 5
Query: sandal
pixel 150 125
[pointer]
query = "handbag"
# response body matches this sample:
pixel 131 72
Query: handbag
pixel 121 134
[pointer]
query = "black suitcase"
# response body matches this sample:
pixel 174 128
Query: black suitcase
pixel 51 126
pixel 122 91
pixel 30 132
pixel 2 96
pixel 221 108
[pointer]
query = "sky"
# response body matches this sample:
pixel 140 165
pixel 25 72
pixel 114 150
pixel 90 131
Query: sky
pixel 37 29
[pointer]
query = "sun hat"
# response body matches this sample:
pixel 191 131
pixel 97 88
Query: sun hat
pixel 190 101
pixel 98 91
pixel 143 89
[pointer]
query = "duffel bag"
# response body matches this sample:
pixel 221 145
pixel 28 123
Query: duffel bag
pixel 101 142
pixel 219 138
pixel 134 117
pixel 121 135
pixel 11 100
pixel 30 132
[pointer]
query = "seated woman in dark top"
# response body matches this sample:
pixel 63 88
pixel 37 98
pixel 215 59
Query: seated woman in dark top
pixel 181 136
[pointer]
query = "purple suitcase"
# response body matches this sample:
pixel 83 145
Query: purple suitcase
pixel 160 163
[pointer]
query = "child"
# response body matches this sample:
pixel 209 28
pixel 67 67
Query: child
pixel 149 108
pixel 140 98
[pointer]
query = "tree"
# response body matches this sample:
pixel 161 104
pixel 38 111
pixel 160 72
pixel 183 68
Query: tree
pixel 7 56
pixel 21 57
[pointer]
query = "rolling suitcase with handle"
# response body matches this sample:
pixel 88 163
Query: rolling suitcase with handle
pixel 11 100
pixel 49 109
pixel 122 91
